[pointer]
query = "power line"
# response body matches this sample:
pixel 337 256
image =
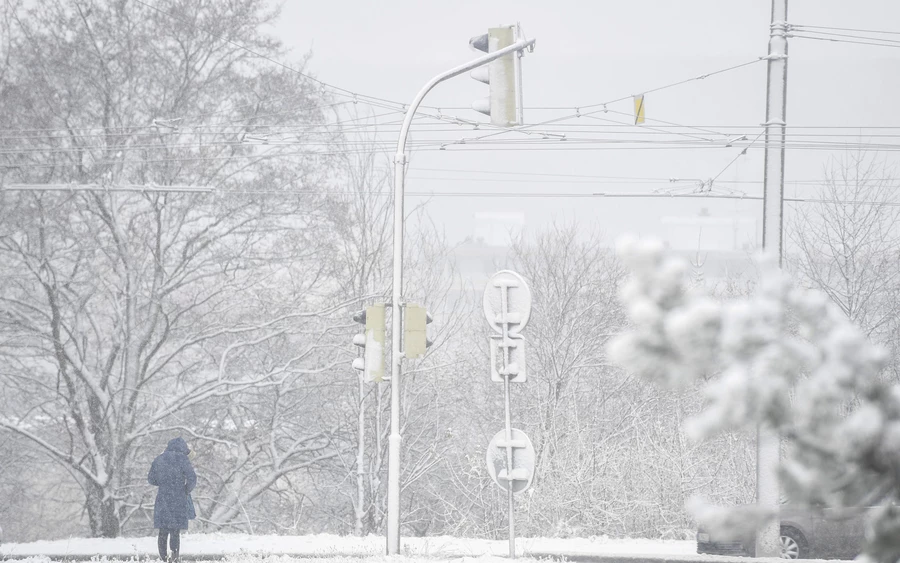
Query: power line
pixel 844 41
pixel 431 147
pixel 431 194
pixel 739 155
pixel 610 124
pixel 578 113
pixel 573 195
pixel 679 83
pixel 869 38
pixel 385 128
pixel 667 123
pixel 848 29
pixel 597 177
pixel 651 129
pixel 427 144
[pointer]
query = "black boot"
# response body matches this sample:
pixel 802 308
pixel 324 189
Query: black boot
pixel 175 545
pixel 161 544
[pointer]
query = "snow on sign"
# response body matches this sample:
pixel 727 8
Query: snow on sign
pixel 507 306
pixel 522 460
pixel 507 302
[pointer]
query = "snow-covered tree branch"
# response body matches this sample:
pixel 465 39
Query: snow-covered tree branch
pixel 785 357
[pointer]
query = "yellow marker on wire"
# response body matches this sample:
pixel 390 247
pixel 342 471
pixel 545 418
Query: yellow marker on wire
pixel 639 109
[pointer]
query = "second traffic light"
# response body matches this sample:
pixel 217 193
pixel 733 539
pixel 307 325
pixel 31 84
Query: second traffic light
pixel 371 341
pixel 415 341
pixel 499 75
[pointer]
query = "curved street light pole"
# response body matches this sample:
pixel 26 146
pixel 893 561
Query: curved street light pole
pixel 393 522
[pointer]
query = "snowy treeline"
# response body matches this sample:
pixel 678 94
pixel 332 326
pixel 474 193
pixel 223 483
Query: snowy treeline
pixel 128 316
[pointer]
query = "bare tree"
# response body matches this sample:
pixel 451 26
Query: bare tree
pixel 124 314
pixel 847 244
pixel 360 218
pixel 612 455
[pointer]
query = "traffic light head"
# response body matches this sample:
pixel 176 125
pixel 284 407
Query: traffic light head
pixel 480 43
pixel 415 341
pixel 372 342
pixel 500 75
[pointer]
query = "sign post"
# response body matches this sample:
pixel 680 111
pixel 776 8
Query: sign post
pixel 507 306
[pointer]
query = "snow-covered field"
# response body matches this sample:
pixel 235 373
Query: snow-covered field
pixel 241 547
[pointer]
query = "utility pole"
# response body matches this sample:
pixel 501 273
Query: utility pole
pixel 393 516
pixel 768 441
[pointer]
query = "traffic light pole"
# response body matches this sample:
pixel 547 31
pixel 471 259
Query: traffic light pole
pixel 393 521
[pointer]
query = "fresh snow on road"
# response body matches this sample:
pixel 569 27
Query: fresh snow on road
pixel 331 546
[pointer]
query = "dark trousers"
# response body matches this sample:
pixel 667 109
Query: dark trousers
pixel 174 539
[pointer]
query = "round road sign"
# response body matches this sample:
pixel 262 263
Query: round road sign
pixel 507 301
pixel 522 461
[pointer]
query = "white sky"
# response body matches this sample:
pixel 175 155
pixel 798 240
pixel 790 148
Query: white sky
pixel 592 51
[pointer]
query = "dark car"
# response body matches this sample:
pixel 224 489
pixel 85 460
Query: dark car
pixel 806 533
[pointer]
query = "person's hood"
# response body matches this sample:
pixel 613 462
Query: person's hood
pixel 178 445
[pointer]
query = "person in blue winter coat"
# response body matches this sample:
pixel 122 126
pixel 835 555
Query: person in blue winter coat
pixel 172 472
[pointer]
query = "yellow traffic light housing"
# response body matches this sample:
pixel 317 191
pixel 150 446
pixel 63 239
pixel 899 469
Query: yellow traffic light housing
pixel 415 340
pixel 372 342
pixel 500 76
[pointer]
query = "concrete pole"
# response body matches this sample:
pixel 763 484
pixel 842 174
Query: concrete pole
pixel 768 443
pixel 393 516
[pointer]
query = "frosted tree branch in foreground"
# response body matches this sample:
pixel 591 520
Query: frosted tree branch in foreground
pixel 785 357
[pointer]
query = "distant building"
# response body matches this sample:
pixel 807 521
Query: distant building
pixel 476 261
pixel 715 267
pixel 706 232
pixel 498 228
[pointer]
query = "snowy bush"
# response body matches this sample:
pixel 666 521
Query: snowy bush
pixel 786 358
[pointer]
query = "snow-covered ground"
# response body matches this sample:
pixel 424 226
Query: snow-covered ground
pixel 335 547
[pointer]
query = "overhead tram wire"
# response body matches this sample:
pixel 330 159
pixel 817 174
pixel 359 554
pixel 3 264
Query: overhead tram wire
pixel 623 98
pixel 659 123
pixel 642 127
pixel 355 147
pixel 843 35
pixel 735 159
pixel 572 195
pixel 431 146
pixel 398 107
pixel 857 30
pixel 457 121
pixel 795 36
pixel 828 141
pixel 830 34
pixel 578 113
pixel 372 100
pixel 553 175
pixel 426 145
pixel 393 106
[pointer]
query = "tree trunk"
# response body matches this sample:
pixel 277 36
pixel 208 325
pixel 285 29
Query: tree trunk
pixel 102 513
